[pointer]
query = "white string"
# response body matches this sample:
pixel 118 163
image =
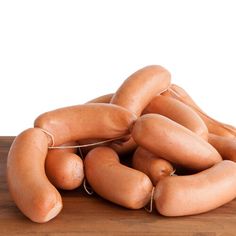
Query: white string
pixel 89 192
pixel 87 145
pixel 50 135
pixel 151 202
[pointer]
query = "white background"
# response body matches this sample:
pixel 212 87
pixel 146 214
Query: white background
pixel 60 53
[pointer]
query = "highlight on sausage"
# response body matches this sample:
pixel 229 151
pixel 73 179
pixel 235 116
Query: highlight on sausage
pixel 28 184
pixel 115 182
pixel 173 142
pixel 198 193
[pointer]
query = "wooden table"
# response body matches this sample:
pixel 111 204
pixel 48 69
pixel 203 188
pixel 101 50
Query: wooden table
pixel 90 215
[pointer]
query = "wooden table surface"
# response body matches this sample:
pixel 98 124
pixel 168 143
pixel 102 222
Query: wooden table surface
pixel 90 215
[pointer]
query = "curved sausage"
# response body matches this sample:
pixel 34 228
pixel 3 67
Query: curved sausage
pixel 64 168
pixel 198 193
pixel 178 112
pixel 28 184
pixel 139 89
pixel 226 146
pixel 213 125
pixel 115 182
pixel 153 166
pixel 173 142
pixel 94 120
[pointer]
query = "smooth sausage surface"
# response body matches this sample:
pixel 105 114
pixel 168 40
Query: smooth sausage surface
pixel 28 184
pixel 198 193
pixel 226 146
pixel 178 112
pixel 115 182
pixel 174 142
pixel 153 166
pixel 93 120
pixel 64 168
pixel 139 89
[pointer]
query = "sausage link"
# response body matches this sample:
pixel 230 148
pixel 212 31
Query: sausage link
pixel 153 166
pixel 198 193
pixel 141 87
pixel 115 182
pixel 28 184
pixel 94 120
pixel 173 142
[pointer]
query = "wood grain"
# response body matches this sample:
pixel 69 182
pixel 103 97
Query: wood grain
pixel 90 215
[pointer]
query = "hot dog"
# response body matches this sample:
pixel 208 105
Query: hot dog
pixel 213 125
pixel 153 166
pixel 139 89
pixel 64 168
pixel 115 182
pixel 173 142
pixel 226 146
pixel 28 184
pixel 94 120
pixel 178 112
pixel 198 193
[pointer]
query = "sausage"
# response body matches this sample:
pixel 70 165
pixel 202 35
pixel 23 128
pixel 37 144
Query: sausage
pixel 173 142
pixel 141 87
pixel 198 193
pixel 28 184
pixel 213 125
pixel 153 166
pixel 94 120
pixel 226 146
pixel 64 168
pixel 115 182
pixel 178 112
pixel 102 99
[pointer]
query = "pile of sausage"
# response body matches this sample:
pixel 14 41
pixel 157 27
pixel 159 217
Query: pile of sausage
pixel 147 117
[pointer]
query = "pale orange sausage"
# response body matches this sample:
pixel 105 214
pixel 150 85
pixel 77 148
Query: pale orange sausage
pixel 64 168
pixel 139 89
pixel 226 146
pixel 153 166
pixel 115 182
pixel 198 193
pixel 178 112
pixel 213 125
pixel 28 184
pixel 174 142
pixel 94 120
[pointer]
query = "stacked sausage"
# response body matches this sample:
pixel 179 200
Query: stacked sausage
pixel 154 121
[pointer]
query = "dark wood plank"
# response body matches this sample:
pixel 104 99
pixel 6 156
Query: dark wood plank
pixel 91 215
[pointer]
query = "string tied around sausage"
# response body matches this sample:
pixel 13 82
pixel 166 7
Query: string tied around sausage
pixel 149 210
pixel 87 188
pixel 87 145
pixel 50 135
